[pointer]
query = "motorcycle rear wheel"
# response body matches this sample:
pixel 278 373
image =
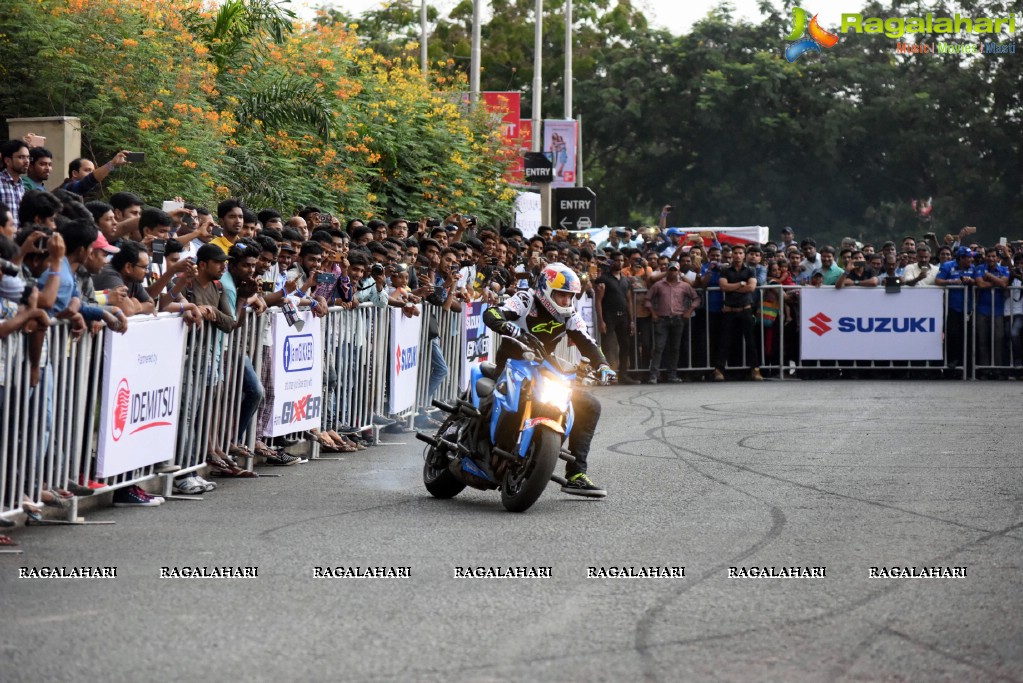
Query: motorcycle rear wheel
pixel 523 485
pixel 437 478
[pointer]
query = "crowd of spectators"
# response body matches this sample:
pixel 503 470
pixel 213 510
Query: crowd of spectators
pixel 672 299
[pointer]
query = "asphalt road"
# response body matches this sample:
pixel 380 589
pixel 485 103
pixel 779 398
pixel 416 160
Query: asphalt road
pixel 843 475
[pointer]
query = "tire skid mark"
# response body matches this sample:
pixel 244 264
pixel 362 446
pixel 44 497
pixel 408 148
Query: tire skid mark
pixel 644 626
pixel 930 647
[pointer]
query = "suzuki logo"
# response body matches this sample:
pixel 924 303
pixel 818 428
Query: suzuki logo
pixel 820 325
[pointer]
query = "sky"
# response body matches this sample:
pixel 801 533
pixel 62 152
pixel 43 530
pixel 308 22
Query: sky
pixel 674 15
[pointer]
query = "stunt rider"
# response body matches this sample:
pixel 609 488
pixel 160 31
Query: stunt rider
pixel 546 313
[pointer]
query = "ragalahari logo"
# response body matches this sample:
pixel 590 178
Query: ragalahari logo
pixel 820 325
pixel 803 24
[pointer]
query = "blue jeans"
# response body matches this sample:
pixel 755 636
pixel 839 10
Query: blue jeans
pixel 438 368
pixel 252 394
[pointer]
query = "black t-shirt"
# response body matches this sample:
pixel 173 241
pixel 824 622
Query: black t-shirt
pixel 742 275
pixel 616 289
pixel 108 278
pixel 868 273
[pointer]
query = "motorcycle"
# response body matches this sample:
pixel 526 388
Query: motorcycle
pixel 507 430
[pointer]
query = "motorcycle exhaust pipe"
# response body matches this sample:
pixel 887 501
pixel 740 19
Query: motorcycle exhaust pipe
pixel 426 438
pixel 437 403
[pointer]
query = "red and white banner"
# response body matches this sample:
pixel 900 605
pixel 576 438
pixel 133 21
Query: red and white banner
pixel 506 107
pixel 738 235
pixel 405 359
pixel 560 139
pixel 297 375
pixel 870 324
pixel 138 419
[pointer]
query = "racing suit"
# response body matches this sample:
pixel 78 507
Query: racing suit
pixel 522 311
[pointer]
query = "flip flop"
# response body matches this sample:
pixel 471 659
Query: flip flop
pixel 238 451
pixel 7 541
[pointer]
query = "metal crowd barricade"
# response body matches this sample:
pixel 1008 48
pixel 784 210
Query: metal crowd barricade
pixel 995 338
pixel 451 333
pixel 355 343
pixel 778 341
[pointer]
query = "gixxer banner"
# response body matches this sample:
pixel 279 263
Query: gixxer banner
pixel 476 342
pixel 871 324
pixel 297 375
pixel 138 420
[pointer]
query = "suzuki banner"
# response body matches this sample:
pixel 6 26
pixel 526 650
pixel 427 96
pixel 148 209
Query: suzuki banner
pixel 871 324
pixel 404 360
pixel 138 420
pixel 476 342
pixel 297 374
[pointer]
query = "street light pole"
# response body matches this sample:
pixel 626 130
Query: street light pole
pixel 422 37
pixel 474 68
pixel 545 189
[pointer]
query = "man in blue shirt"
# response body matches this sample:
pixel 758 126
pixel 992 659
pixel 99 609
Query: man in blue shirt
pixel 959 276
pixel 991 277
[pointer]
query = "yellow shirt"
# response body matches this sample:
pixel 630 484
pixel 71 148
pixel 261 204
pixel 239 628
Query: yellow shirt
pixel 223 243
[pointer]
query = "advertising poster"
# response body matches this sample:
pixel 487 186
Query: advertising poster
pixel 138 422
pixel 477 343
pixel 404 360
pixel 871 324
pixel 297 375
pixel 559 144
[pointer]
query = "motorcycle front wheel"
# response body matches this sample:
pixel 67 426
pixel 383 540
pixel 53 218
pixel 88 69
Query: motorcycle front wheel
pixel 523 485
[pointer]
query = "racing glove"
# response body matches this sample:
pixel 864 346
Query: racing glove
pixel 510 329
pixel 607 375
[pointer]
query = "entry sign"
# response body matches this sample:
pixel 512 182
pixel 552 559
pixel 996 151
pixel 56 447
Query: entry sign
pixel 538 168
pixel 575 208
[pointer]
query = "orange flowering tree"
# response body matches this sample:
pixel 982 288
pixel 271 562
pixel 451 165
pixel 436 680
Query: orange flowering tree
pixel 238 99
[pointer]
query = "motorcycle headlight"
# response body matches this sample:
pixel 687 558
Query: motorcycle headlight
pixel 554 392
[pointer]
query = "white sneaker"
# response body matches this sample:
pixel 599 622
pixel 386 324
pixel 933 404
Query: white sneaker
pixel 188 486
pixel 207 485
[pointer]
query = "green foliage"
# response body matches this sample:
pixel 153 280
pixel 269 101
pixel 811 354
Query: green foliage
pixel 238 99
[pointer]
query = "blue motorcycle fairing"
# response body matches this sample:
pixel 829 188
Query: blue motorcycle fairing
pixel 469 466
pixel 516 373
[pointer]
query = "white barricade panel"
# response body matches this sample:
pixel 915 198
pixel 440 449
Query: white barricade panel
pixel 138 422
pixel 297 375
pixel 405 358
pixel 870 324
pixel 476 345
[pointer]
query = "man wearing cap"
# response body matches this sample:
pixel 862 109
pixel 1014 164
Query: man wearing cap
pixel 959 275
pixel 671 301
pixel 921 273
pixel 128 268
pixel 788 238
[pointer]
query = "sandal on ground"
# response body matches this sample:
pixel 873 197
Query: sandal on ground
pixel 264 451
pixel 7 541
pixel 239 451
pixel 327 444
pixel 56 501
pixel 33 513
pixel 218 463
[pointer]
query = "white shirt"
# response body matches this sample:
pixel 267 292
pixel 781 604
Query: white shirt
pixel 913 270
